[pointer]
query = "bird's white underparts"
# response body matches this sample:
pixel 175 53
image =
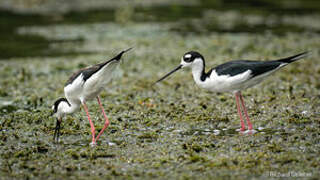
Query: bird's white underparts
pixel 83 86
pixel 233 76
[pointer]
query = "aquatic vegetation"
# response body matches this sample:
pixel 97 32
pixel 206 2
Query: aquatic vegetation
pixel 166 130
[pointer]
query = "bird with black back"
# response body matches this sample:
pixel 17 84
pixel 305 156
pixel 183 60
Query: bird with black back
pixel 85 85
pixel 233 76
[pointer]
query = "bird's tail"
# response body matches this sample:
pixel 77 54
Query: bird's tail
pixel 118 57
pixel 294 58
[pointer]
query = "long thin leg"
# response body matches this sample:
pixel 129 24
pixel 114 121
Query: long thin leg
pixel 91 124
pixel 245 112
pixel 239 112
pixel 106 124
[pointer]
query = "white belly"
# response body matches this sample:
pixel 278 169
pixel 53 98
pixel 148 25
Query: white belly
pixel 226 83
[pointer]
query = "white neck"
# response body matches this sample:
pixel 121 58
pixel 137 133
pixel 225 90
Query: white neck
pixel 198 70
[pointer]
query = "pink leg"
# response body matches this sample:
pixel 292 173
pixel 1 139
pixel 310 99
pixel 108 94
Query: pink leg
pixel 239 112
pixel 245 112
pixel 91 124
pixel 106 124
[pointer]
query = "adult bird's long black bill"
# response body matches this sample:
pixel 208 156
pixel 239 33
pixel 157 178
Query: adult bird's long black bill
pixel 176 69
pixel 57 131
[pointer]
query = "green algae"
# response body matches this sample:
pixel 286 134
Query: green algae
pixel 166 130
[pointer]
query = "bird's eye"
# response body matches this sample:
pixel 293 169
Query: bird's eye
pixel 187 58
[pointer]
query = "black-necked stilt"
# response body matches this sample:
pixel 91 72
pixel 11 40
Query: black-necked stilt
pixel 232 76
pixel 84 85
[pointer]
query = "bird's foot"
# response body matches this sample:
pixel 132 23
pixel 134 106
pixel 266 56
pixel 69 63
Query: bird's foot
pixel 93 144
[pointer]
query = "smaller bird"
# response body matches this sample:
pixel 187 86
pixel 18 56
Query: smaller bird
pixel 233 76
pixel 82 86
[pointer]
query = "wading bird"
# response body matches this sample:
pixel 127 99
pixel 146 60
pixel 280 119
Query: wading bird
pixel 82 86
pixel 233 76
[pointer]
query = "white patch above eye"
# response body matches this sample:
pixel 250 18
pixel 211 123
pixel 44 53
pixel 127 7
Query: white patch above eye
pixel 187 56
pixel 52 108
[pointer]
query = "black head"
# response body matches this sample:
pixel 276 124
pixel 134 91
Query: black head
pixel 56 104
pixel 55 109
pixel 191 56
pixel 186 61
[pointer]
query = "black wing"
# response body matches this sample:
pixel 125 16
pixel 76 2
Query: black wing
pixel 88 72
pixel 233 68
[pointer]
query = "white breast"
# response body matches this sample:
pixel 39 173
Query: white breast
pixel 225 83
